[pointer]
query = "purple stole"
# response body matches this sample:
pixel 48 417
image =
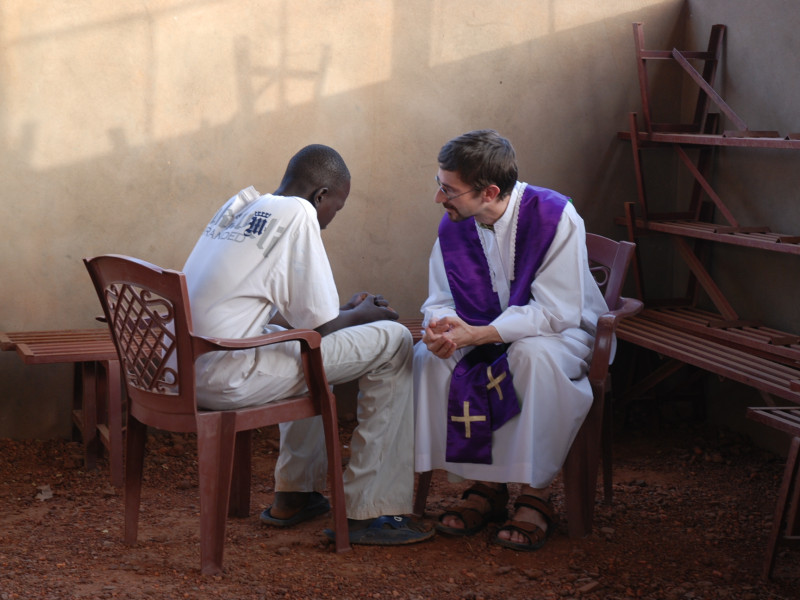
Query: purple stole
pixel 482 397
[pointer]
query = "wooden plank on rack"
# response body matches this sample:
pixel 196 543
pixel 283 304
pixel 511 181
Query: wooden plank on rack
pixel 774 242
pixel 705 280
pixel 703 139
pixel 699 178
pixel 710 92
pixel 752 134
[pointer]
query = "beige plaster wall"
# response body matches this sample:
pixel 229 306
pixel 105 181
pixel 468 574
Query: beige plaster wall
pixel 124 125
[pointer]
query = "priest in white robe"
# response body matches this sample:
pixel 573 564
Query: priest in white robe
pixel 509 273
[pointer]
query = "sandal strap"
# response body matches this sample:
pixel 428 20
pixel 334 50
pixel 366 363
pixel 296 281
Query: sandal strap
pixel 536 537
pixel 497 497
pixel 470 516
pixel 538 504
pixel 473 518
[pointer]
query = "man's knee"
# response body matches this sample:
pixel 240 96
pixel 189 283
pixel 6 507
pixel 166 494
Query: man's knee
pixel 546 354
pixel 403 331
pixel 397 336
pixel 535 351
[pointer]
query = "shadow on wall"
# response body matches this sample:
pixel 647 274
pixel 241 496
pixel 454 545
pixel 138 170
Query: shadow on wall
pixel 124 131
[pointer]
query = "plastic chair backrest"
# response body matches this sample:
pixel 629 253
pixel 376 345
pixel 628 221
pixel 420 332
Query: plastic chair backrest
pixel 608 261
pixel 147 309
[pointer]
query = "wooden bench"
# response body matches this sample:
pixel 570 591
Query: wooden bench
pixel 743 351
pixel 97 399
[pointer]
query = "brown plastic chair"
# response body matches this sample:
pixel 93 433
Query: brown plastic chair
pixel 147 310
pixel 609 262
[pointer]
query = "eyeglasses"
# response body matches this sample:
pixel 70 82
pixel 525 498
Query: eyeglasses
pixel 448 196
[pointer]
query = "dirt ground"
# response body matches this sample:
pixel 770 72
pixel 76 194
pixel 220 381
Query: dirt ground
pixel 690 519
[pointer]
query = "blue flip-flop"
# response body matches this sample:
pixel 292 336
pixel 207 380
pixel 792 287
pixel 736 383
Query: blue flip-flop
pixel 386 531
pixel 317 505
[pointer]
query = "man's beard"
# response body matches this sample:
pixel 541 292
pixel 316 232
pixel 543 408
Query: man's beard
pixel 454 215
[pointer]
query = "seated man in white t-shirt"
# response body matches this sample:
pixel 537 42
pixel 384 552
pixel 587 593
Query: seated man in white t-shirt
pixel 261 262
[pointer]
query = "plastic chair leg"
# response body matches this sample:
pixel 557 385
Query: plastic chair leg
pixel 216 439
pixel 239 504
pixel 134 463
pixel 113 401
pixel 421 497
pixel 332 447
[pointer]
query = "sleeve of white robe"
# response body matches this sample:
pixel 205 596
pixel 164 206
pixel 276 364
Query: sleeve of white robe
pixel 559 290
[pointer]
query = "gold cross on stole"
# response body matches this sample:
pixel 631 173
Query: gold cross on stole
pixel 467 419
pixel 494 382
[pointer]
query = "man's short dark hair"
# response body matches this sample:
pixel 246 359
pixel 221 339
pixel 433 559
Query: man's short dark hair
pixel 317 166
pixel 481 158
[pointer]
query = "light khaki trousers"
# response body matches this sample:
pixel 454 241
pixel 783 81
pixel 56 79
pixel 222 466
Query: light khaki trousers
pixel 379 478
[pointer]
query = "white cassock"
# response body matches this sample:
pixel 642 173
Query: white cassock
pixel 551 341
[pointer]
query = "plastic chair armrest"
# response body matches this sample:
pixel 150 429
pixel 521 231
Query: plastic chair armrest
pixel 309 338
pixel 604 339
pixel 310 352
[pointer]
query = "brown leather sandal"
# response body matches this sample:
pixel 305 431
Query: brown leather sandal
pixel 474 520
pixel 536 537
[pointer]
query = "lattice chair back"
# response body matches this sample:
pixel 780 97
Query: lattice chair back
pixel 147 309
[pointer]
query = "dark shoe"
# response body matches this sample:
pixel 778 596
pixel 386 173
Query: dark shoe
pixel 474 520
pixel 536 537
pixel 387 531
pixel 317 505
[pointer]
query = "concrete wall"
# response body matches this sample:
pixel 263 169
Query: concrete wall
pixel 124 125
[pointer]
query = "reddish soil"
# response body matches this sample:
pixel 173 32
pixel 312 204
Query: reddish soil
pixel 690 519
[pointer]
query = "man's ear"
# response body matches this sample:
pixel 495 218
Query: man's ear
pixel 318 195
pixel 491 193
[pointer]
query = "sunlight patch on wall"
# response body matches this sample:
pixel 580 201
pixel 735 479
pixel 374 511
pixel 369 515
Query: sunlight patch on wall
pixel 485 27
pixel 93 80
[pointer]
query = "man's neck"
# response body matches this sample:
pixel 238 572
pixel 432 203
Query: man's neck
pixel 494 211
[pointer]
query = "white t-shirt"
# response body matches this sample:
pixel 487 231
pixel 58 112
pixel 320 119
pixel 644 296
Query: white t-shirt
pixel 258 256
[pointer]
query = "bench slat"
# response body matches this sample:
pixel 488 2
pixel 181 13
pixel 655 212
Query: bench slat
pixel 10 340
pixel 782 418
pixel 764 341
pixel 759 372
pixel 414 326
pixel 62 352
pixel 741 368
pixel 721 353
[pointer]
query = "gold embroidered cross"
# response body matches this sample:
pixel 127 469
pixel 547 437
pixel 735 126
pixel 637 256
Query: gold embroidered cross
pixel 467 419
pixel 494 382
